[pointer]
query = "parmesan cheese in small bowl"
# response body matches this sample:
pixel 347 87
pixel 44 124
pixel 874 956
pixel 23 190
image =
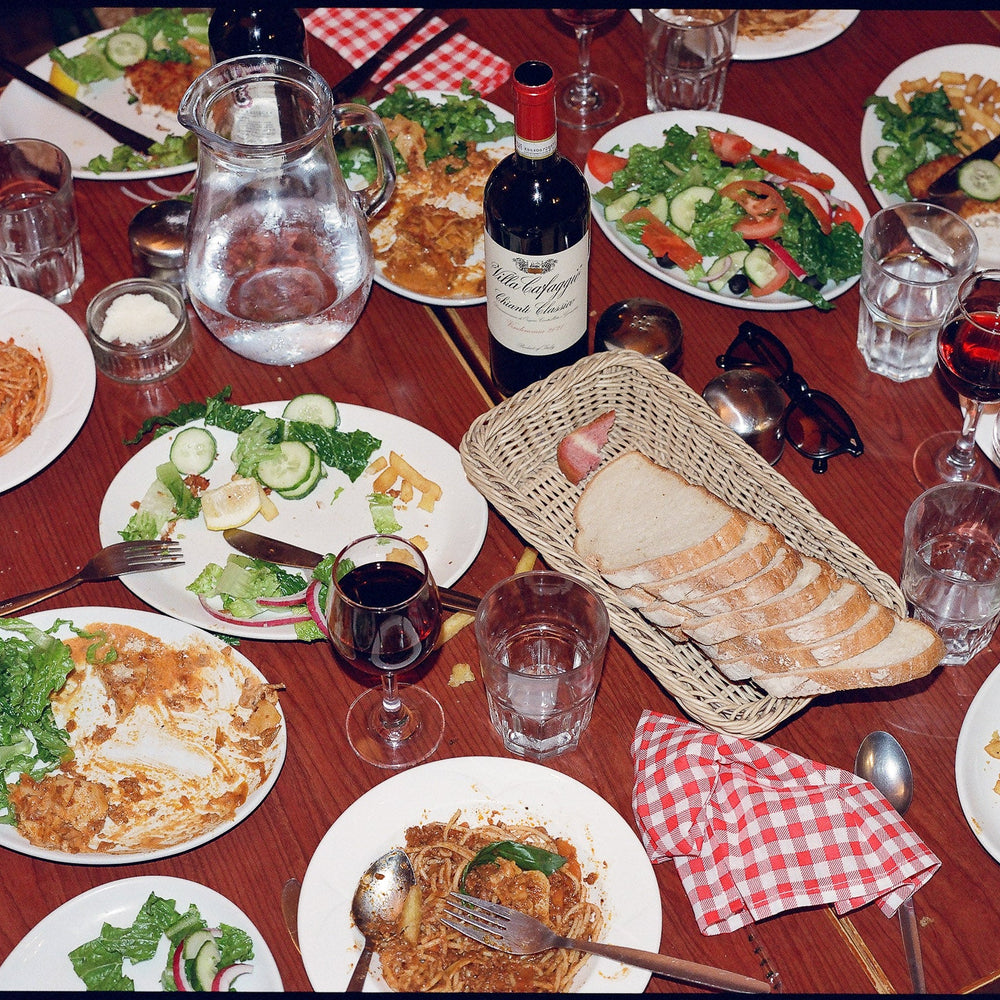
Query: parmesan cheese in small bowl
pixel 139 330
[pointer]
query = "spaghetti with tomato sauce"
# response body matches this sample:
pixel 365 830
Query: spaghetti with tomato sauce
pixel 445 960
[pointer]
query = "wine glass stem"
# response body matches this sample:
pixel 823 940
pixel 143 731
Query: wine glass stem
pixel 584 33
pixel 962 456
pixel 392 717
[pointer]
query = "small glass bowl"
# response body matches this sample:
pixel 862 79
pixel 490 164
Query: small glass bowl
pixel 140 362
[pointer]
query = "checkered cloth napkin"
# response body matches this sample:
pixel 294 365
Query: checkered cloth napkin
pixel 755 830
pixel 357 32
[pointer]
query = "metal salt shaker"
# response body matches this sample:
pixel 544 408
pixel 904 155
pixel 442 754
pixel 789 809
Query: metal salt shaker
pixel 754 406
pixel 157 236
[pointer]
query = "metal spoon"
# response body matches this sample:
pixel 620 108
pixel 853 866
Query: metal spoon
pixel 882 761
pixel 378 904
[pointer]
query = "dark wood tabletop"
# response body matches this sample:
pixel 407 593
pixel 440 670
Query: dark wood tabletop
pixel 402 358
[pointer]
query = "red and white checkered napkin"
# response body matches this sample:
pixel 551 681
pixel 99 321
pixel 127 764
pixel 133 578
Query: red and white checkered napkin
pixel 755 830
pixel 357 32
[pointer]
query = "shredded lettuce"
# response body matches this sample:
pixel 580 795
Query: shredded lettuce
pixel 383 513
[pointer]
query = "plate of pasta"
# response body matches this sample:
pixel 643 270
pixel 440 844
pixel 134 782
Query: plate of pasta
pixel 442 812
pixel 47 382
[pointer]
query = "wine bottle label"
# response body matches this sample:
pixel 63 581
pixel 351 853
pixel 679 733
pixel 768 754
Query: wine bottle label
pixel 535 149
pixel 537 305
pixel 256 120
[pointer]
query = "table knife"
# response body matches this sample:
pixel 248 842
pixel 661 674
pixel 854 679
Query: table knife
pixel 947 183
pixel 351 84
pixel 120 133
pixel 286 554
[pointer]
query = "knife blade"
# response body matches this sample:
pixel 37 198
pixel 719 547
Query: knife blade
pixel 349 86
pixel 286 554
pixel 947 183
pixel 120 133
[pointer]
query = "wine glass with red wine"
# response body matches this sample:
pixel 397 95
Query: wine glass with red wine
pixel 585 99
pixel 969 360
pixel 385 615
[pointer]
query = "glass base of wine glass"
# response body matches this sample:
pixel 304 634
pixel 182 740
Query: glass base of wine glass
pixel 587 101
pixel 394 749
pixel 931 465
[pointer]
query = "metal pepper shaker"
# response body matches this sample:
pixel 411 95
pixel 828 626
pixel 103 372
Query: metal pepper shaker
pixel 157 236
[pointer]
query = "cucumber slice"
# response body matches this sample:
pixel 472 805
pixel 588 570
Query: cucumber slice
pixel 286 466
pixel 659 206
pixel 758 267
pixel 313 408
pixel 308 484
pixel 193 451
pixel 980 179
pixel 881 155
pixel 205 966
pixel 124 48
pixel 683 206
pixel 620 206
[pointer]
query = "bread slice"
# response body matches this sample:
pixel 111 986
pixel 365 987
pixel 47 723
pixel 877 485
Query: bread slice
pixel 638 522
pixel 911 650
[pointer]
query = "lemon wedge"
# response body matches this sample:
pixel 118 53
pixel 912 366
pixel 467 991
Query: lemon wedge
pixel 61 80
pixel 231 505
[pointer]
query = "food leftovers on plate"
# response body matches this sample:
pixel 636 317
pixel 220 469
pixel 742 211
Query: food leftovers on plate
pixel 758 23
pixel 24 393
pixel 520 866
pixel 119 742
pixel 730 215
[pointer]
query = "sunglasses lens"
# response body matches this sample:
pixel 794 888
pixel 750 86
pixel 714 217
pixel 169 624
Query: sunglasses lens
pixel 755 347
pixel 818 427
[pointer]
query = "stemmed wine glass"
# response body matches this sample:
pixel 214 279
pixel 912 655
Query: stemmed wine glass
pixel 584 99
pixel 969 360
pixel 384 617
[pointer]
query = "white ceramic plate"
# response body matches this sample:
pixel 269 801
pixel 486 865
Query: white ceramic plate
pixel 170 631
pixel 509 789
pixel 966 59
pixel 37 325
pixel 41 959
pixel 976 772
pixel 437 97
pixel 649 130
pixel 24 113
pixel 323 522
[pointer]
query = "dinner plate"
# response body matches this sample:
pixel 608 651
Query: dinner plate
pixel 41 960
pixel 976 772
pixel 24 113
pixel 170 631
pixel 437 96
pixel 966 59
pixel 510 790
pixel 649 130
pixel 335 513
pixel 39 326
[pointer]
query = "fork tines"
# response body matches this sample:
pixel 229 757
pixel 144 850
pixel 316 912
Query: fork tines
pixel 477 919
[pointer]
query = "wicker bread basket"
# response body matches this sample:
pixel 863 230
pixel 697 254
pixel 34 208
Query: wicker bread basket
pixel 509 455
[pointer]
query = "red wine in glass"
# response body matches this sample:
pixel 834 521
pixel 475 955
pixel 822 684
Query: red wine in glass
pixel 384 618
pixel 969 356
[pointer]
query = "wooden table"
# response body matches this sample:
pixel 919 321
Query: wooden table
pixel 401 359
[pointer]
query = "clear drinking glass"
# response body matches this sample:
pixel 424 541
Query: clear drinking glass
pixel 385 615
pixel 585 99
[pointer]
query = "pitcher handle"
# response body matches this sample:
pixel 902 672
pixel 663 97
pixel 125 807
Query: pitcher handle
pixel 374 197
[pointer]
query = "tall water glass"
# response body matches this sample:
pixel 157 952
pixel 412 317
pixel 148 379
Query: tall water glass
pixel 39 234
pixel 687 55
pixel 915 256
pixel 951 565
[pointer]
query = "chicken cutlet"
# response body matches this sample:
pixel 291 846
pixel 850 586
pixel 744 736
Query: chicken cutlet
pixel 164 83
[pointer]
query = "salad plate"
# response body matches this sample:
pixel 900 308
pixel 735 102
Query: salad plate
pixel 454 200
pixel 41 958
pixel 24 113
pixel 648 130
pixel 37 325
pixel 976 772
pixel 968 59
pixel 509 790
pixel 335 513
pixel 170 631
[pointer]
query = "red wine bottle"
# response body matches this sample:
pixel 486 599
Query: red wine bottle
pixel 536 208
pixel 242 31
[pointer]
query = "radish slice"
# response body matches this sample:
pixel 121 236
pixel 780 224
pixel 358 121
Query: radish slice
pixel 251 622
pixel 180 978
pixel 315 611
pixel 224 978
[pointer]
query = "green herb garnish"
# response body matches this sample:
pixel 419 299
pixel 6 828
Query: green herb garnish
pixel 527 858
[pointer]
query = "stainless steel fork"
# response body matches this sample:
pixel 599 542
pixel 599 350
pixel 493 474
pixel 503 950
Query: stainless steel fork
pixel 112 561
pixel 508 930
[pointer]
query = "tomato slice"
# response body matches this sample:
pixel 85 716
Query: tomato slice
pixel 846 212
pixel 662 241
pixel 777 250
pixel 730 147
pixel 758 229
pixel 781 273
pixel 791 169
pixel 816 202
pixel 766 209
pixel 604 165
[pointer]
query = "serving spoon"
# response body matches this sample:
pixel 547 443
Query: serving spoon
pixel 883 762
pixel 378 905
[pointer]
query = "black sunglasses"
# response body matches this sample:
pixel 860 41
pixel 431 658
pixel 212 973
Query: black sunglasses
pixel 816 424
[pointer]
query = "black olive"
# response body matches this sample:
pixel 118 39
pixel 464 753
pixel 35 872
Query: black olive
pixel 665 261
pixel 739 284
pixel 812 281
